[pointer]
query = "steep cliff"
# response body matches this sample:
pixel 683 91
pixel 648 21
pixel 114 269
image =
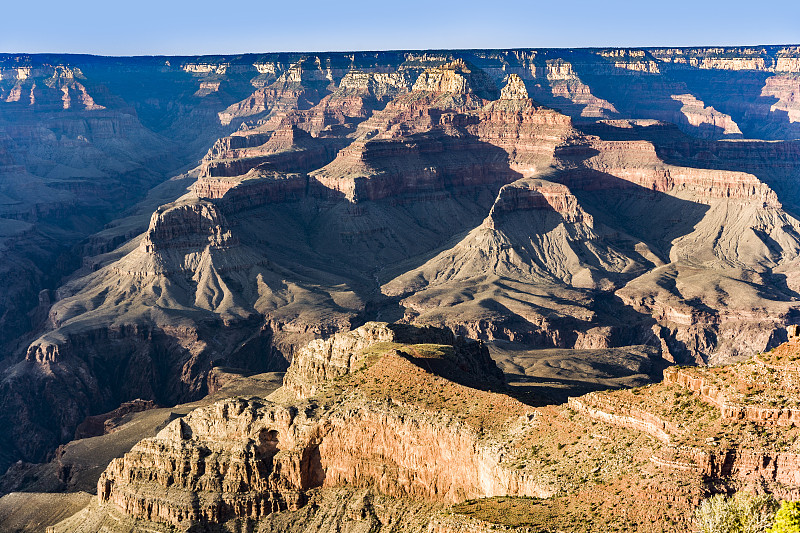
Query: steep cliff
pixel 249 459
pixel 382 420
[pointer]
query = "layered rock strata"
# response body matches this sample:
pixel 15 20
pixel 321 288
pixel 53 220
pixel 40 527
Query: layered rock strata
pixel 712 440
pixel 361 186
pixel 251 458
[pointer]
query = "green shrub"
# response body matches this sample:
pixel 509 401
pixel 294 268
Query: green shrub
pixel 787 519
pixel 743 513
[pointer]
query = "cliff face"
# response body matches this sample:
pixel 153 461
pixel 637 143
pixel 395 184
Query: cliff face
pixel 708 430
pixel 251 458
pixel 343 353
pixel 244 470
pixel 383 422
pixel 251 469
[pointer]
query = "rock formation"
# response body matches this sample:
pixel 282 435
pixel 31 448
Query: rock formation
pixel 251 458
pixel 344 421
pixel 760 391
pixel 573 199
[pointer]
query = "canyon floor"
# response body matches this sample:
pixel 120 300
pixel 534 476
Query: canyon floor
pixel 416 290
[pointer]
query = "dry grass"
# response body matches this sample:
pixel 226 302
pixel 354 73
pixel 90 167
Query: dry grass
pixel 768 380
pixel 787 354
pixel 627 504
pixel 692 421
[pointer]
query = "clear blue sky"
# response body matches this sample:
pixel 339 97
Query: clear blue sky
pixel 125 27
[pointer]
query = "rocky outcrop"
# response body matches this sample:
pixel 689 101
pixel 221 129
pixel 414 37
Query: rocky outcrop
pixel 287 149
pixel 525 131
pixel 250 458
pixel 430 162
pixel 242 459
pixel 699 116
pixel 286 93
pixel 244 470
pixel 59 87
pixel 456 77
pixel 711 392
pixel 514 89
pixel 186 226
pixel 765 468
pixel 176 233
pixel 232 146
pixel 610 164
pixel 606 410
pixel 539 194
pixel 786 88
pixel 254 189
pixel 343 353
pixel 107 422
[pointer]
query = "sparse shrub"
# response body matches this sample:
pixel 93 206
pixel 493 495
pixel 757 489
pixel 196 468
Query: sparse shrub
pixel 743 513
pixel 787 519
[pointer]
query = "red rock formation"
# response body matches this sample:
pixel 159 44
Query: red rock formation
pixel 730 409
pixel 430 162
pixel 249 458
pixel 106 423
pixel 287 149
pixel 538 194
pixel 595 165
pixel 254 189
pixel 776 470
pixel 625 416
pixel 245 471
pixel 343 353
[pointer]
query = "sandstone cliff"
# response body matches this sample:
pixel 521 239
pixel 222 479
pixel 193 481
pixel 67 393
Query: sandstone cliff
pixel 384 422
pixel 249 459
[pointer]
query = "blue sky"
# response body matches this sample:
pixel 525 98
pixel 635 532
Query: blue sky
pixel 119 27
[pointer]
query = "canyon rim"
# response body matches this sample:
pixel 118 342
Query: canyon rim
pixel 438 291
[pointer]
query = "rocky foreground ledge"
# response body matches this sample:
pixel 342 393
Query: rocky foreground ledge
pixel 395 424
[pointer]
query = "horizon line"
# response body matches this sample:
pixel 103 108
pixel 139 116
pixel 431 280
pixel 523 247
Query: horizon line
pixel 399 50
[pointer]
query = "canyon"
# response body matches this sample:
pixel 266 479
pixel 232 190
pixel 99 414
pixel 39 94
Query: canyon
pixel 506 227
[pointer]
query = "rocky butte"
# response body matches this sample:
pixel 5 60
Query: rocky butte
pixel 435 291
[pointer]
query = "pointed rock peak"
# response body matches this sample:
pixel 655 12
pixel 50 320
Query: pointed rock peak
pixel 458 76
pixel 514 89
